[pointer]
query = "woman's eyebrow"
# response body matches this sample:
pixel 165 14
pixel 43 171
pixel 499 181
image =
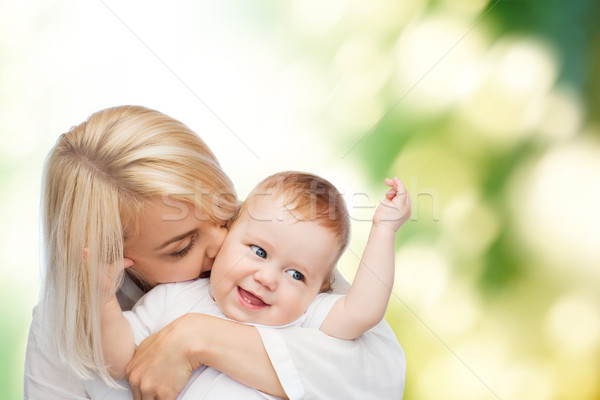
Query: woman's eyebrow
pixel 176 239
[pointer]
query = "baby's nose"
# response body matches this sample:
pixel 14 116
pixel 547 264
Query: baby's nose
pixel 267 277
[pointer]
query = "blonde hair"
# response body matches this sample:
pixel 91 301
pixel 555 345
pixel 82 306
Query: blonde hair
pixel 97 178
pixel 309 197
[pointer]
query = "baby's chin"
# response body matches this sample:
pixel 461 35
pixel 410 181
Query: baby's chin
pixel 280 321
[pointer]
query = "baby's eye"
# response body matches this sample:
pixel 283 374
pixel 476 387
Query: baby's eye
pixel 295 274
pixel 259 251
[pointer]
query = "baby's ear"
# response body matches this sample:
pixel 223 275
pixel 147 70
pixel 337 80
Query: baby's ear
pixel 230 221
pixel 326 287
pixel 86 253
pixel 128 262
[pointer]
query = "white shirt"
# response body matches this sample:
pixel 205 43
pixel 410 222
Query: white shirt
pixel 165 303
pixel 309 364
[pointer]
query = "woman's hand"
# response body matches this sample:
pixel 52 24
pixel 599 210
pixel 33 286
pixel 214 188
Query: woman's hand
pixel 160 367
pixel 164 362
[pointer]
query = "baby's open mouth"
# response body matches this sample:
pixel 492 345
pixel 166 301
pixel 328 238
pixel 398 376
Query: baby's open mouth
pixel 250 300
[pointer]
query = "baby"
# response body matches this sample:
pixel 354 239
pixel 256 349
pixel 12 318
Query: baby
pixel 276 265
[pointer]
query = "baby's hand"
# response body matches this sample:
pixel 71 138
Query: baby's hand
pixel 395 209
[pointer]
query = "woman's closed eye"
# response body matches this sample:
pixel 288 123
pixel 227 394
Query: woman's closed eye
pixel 183 252
pixel 296 275
pixel 259 251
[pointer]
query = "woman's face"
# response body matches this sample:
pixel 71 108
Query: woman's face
pixel 175 242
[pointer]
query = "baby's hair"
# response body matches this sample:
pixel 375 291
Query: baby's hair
pixel 308 197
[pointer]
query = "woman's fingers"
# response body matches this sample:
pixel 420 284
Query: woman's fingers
pixel 159 368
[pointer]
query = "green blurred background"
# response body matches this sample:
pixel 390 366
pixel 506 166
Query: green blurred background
pixel 485 109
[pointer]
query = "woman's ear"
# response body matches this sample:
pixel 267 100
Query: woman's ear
pixel 128 262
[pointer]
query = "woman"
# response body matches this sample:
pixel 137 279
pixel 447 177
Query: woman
pixel 133 187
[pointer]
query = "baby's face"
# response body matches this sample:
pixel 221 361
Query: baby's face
pixel 271 265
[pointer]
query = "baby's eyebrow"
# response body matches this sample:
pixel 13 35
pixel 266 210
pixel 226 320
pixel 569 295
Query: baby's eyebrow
pixel 176 239
pixel 261 241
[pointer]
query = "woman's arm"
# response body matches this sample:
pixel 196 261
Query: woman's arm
pixel 295 361
pixel 164 361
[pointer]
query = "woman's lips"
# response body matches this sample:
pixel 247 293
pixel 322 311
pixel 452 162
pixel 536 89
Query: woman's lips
pixel 250 300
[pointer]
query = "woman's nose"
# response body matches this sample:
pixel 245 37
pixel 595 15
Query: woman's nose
pixel 217 237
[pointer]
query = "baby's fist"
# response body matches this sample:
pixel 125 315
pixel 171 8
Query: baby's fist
pixel 395 209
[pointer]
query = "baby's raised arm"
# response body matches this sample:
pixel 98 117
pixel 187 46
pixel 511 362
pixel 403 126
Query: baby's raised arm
pixel 365 304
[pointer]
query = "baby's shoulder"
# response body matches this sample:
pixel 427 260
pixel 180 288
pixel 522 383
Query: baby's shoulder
pixel 192 287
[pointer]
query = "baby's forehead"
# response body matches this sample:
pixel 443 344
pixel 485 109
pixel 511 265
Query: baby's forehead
pixel 266 207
